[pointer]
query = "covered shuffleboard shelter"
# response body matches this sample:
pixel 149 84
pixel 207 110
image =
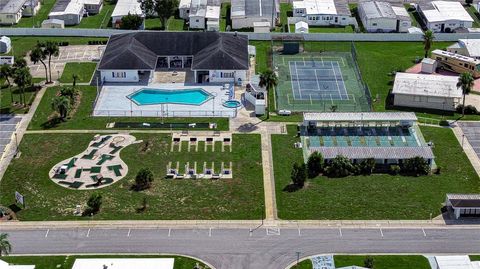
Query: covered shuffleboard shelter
pixel 463 205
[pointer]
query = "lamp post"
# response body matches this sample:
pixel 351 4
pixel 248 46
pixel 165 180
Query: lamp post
pixel 463 138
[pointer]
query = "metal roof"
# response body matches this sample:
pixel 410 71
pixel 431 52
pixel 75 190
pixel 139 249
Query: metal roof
pixel 124 7
pixel 472 46
pixel 464 200
pixel 11 6
pixel 360 116
pixel 438 11
pixel 374 152
pixel 377 9
pixel 255 8
pixel 426 85
pixel 62 7
pixel 323 7
pixel 454 262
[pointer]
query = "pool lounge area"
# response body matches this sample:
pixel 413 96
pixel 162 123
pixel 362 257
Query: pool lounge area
pixel 165 100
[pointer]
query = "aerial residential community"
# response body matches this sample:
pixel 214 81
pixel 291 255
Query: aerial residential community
pixel 175 134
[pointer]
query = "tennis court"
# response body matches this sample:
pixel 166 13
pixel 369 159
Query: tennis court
pixel 317 80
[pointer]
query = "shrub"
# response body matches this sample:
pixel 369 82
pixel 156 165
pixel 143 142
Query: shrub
pixel 395 169
pixel 416 166
pixel 369 262
pixel 315 164
pixel 94 202
pixel 366 166
pixel 299 174
pixel 144 179
pixel 70 93
pixel 444 123
pixel 340 166
pixel 469 109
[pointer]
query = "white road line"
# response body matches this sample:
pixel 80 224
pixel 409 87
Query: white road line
pixel 381 232
pixel 250 232
pixel 299 232
pixel 129 230
pixel 210 232
pixel 46 234
pixel 88 233
pixel 424 233
pixel 169 231
pixel 340 231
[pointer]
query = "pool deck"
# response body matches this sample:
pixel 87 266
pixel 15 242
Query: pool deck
pixel 113 101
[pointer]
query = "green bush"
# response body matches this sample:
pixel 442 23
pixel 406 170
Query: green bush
pixel 366 166
pixel 416 166
pixel 395 169
pixel 315 164
pixel 94 203
pixel 299 174
pixel 144 179
pixel 340 166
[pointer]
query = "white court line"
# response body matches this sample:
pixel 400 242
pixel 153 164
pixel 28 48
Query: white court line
pixel 316 78
pixel 46 234
pixel 291 80
pixel 336 81
pixel 298 81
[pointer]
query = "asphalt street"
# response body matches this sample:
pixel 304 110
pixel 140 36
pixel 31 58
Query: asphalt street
pixel 239 248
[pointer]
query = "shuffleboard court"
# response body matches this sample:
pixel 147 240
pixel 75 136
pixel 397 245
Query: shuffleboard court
pixel 317 80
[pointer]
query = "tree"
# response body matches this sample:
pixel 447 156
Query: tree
pixel 163 8
pixel 269 80
pixel 131 22
pixel 299 174
pixel 74 77
pixel 427 41
pixel 70 93
pixel 19 63
pixel 38 55
pixel 5 246
pixel 369 262
pixel 465 81
pixel 94 202
pixel 315 164
pixel 416 166
pixel 61 104
pixel 22 78
pixel 51 49
pixel 340 166
pixel 144 179
pixel 6 72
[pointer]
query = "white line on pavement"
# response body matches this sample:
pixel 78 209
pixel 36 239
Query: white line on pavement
pixel 88 233
pixel 424 234
pixel 210 232
pixel 169 231
pixel 381 232
pixel 46 234
pixel 340 231
pixel 129 230
pixel 299 232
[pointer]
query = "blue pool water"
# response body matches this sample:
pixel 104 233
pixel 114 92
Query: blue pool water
pixel 195 96
pixel 232 104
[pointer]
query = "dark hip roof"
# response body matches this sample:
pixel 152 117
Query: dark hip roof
pixel 210 50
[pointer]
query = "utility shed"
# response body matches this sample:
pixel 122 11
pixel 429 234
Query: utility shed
pixel 444 16
pixel 463 205
pixel 377 16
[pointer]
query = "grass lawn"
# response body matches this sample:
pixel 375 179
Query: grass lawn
pixel 173 24
pixel 100 20
pixel 6 100
pixel 325 29
pixel 22 44
pixel 66 262
pixel 29 22
pixel 475 257
pixel 474 14
pixel 84 71
pixel 225 16
pixel 237 198
pixel 305 264
pixel 412 14
pixel 385 261
pixel 378 196
pixel 285 10
pixel 82 119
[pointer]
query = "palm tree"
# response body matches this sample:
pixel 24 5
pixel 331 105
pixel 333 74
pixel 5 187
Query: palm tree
pixel 6 72
pixel 465 81
pixel 427 41
pixel 269 80
pixel 75 77
pixel 38 55
pixel 61 104
pixel 51 49
pixel 22 78
pixel 5 246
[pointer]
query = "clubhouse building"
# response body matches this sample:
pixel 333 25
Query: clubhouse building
pixel 207 57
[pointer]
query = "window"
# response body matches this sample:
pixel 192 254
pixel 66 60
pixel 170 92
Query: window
pixel 227 75
pixel 374 24
pixel 119 74
pixel 417 98
pixel 343 19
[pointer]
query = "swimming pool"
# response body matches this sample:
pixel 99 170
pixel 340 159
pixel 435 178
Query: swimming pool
pixel 232 104
pixel 148 96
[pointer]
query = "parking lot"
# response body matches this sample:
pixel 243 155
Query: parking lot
pixel 472 134
pixel 78 53
pixel 8 126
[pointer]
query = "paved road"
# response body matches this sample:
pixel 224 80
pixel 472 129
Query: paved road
pixel 237 248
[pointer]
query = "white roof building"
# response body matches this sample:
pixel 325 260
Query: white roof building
pixel 456 262
pixel 444 16
pixel 426 91
pixel 380 16
pixel 246 12
pixel 124 263
pixel 301 27
pixel 322 12
pixel 11 11
pixel 466 47
pixel 123 8
pixel 5 265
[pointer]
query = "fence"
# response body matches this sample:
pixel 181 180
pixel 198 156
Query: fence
pixel 165 114
pixel 251 36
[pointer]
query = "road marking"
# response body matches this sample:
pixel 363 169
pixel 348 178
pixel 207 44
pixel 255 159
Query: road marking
pixel 169 231
pixel 88 233
pixel 273 231
pixel 129 230
pixel 46 234
pixel 340 231
pixel 381 232
pixel 210 232
pixel 250 232
pixel 299 232
pixel 424 234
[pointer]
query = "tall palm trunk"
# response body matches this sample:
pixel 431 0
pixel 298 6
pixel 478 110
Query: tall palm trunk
pixel 49 67
pixel 46 73
pixel 463 106
pixel 11 91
